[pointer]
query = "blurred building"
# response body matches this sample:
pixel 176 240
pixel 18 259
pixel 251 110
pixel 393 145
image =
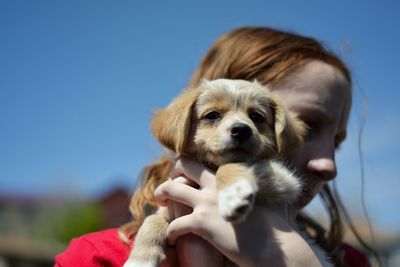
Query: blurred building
pixel 33 230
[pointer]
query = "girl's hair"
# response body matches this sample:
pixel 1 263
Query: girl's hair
pixel 267 55
pixel 261 53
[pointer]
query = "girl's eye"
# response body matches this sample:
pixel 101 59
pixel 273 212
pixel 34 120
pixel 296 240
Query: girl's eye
pixel 339 138
pixel 337 145
pixel 311 125
pixel 256 117
pixel 312 128
pixel 212 116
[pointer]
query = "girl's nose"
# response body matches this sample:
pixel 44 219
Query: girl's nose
pixel 323 168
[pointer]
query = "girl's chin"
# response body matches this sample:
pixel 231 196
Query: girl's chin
pixel 302 201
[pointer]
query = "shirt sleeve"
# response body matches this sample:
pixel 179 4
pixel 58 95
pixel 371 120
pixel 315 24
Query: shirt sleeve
pixel 80 252
pixel 94 250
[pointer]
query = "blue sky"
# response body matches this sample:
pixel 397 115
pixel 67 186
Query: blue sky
pixel 79 81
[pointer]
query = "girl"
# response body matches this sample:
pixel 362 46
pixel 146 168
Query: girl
pixel 312 82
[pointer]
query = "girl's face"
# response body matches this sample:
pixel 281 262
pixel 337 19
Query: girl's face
pixel 321 96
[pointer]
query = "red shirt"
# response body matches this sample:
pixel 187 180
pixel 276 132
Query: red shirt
pixel 104 248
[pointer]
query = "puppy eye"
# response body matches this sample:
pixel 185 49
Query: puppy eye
pixel 256 117
pixel 212 116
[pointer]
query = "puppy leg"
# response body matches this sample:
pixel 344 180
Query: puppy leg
pixel 276 183
pixel 237 188
pixel 149 244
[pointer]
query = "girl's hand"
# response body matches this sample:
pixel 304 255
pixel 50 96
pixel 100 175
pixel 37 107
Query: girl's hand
pixel 191 250
pixel 265 238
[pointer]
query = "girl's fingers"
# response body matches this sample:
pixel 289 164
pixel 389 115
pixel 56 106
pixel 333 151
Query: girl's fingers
pixel 179 227
pixel 186 181
pixel 171 190
pixel 193 171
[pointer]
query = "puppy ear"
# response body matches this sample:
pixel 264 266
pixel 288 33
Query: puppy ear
pixel 289 130
pixel 171 125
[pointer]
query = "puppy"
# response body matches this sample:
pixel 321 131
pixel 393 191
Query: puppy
pixel 236 128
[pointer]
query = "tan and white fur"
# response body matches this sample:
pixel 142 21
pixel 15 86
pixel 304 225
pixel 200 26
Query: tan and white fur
pixel 238 129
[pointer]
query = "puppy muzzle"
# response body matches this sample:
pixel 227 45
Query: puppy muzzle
pixel 240 132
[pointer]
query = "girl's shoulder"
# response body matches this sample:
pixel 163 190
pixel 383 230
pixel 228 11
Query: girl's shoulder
pixel 103 248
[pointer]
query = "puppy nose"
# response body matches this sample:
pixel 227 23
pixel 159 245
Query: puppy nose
pixel 240 132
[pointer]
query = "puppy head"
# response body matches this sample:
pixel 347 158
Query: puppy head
pixel 225 121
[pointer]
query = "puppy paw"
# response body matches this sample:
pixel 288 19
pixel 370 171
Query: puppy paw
pixel 236 201
pixel 136 263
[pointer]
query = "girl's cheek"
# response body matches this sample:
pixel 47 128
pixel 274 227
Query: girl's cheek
pixel 297 158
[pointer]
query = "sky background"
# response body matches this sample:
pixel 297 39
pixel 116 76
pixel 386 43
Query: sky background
pixel 79 81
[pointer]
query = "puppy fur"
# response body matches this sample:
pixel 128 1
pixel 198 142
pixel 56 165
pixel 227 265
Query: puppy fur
pixel 238 129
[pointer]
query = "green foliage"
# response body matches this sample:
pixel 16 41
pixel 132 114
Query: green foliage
pixel 76 219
